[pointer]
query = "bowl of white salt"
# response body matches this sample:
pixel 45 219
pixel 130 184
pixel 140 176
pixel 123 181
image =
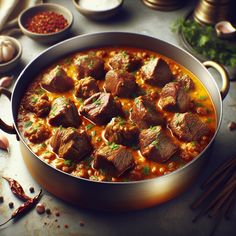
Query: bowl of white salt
pixel 98 9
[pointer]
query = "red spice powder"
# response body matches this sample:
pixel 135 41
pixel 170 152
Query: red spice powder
pixel 46 22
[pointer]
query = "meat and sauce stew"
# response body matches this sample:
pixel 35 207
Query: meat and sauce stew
pixel 116 114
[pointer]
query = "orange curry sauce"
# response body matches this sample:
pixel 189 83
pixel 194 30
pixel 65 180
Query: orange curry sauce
pixel 144 169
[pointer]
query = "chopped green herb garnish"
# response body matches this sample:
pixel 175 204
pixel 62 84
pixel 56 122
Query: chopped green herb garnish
pixel 93 133
pixel 98 139
pixel 152 128
pixel 205 42
pixel 146 170
pixel 43 145
pixel 89 126
pixel 156 144
pixel 203 97
pixel 28 124
pixel 114 146
pixel 68 162
pixel 34 99
pixel 97 101
pixel 209 120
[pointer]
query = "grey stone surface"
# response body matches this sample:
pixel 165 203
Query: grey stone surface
pixel 172 218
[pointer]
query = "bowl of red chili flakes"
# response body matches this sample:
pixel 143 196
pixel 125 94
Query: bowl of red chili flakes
pixel 46 23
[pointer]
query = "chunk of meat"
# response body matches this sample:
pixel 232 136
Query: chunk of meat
pixel 120 83
pixel 144 113
pixel 37 133
pixel 57 81
pixel 155 145
pixel 174 98
pixel 125 61
pixel 186 82
pixel 71 144
pixel 156 72
pixel 121 131
pixel 188 126
pixel 114 158
pixel 86 87
pixel 64 113
pixel 100 108
pixel 38 104
pixel 90 66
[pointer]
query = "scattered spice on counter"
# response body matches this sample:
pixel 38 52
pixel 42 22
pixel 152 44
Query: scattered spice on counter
pixel 56 220
pixel 58 226
pixel 11 205
pixel 46 22
pixel 66 226
pixel 232 126
pixel 31 189
pixel 40 208
pixel 1 199
pixel 6 81
pixel 57 213
pixel 48 211
pixel 4 143
pixel 81 223
pixel 23 208
pixel 17 189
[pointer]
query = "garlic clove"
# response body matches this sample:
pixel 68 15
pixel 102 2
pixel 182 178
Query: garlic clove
pixel 224 29
pixel 8 52
pixel 4 143
pixel 6 81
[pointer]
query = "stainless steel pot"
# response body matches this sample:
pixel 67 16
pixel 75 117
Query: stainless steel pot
pixel 106 195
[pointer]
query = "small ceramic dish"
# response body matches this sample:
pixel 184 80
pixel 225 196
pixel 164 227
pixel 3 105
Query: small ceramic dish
pixel 7 66
pixel 98 13
pixel 224 29
pixel 48 37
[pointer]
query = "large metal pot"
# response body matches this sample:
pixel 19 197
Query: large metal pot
pixel 105 195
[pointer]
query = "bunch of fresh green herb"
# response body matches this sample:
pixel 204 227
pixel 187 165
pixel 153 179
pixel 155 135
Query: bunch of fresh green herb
pixel 204 40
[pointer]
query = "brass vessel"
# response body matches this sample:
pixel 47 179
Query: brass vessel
pixel 212 11
pixel 164 5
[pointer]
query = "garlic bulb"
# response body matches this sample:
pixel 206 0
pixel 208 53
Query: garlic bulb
pixel 7 50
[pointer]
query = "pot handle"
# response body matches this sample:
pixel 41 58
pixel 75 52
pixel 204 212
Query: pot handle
pixel 3 126
pixel 223 74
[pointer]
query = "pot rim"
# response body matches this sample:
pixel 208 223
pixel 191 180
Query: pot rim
pixel 105 33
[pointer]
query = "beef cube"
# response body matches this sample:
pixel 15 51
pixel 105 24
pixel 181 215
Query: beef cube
pixel 121 131
pixel 125 61
pixel 155 145
pixel 188 126
pixel 38 104
pixel 114 158
pixel 64 113
pixel 90 66
pixel 86 87
pixel 57 81
pixel 186 82
pixel 174 98
pixel 156 72
pixel 71 144
pixel 100 108
pixel 144 113
pixel 120 83
pixel 37 133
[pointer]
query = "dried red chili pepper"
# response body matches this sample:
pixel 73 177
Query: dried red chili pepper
pixel 23 208
pixel 17 189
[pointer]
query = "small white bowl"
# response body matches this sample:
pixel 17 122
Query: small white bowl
pixel 50 37
pixel 97 14
pixel 7 66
